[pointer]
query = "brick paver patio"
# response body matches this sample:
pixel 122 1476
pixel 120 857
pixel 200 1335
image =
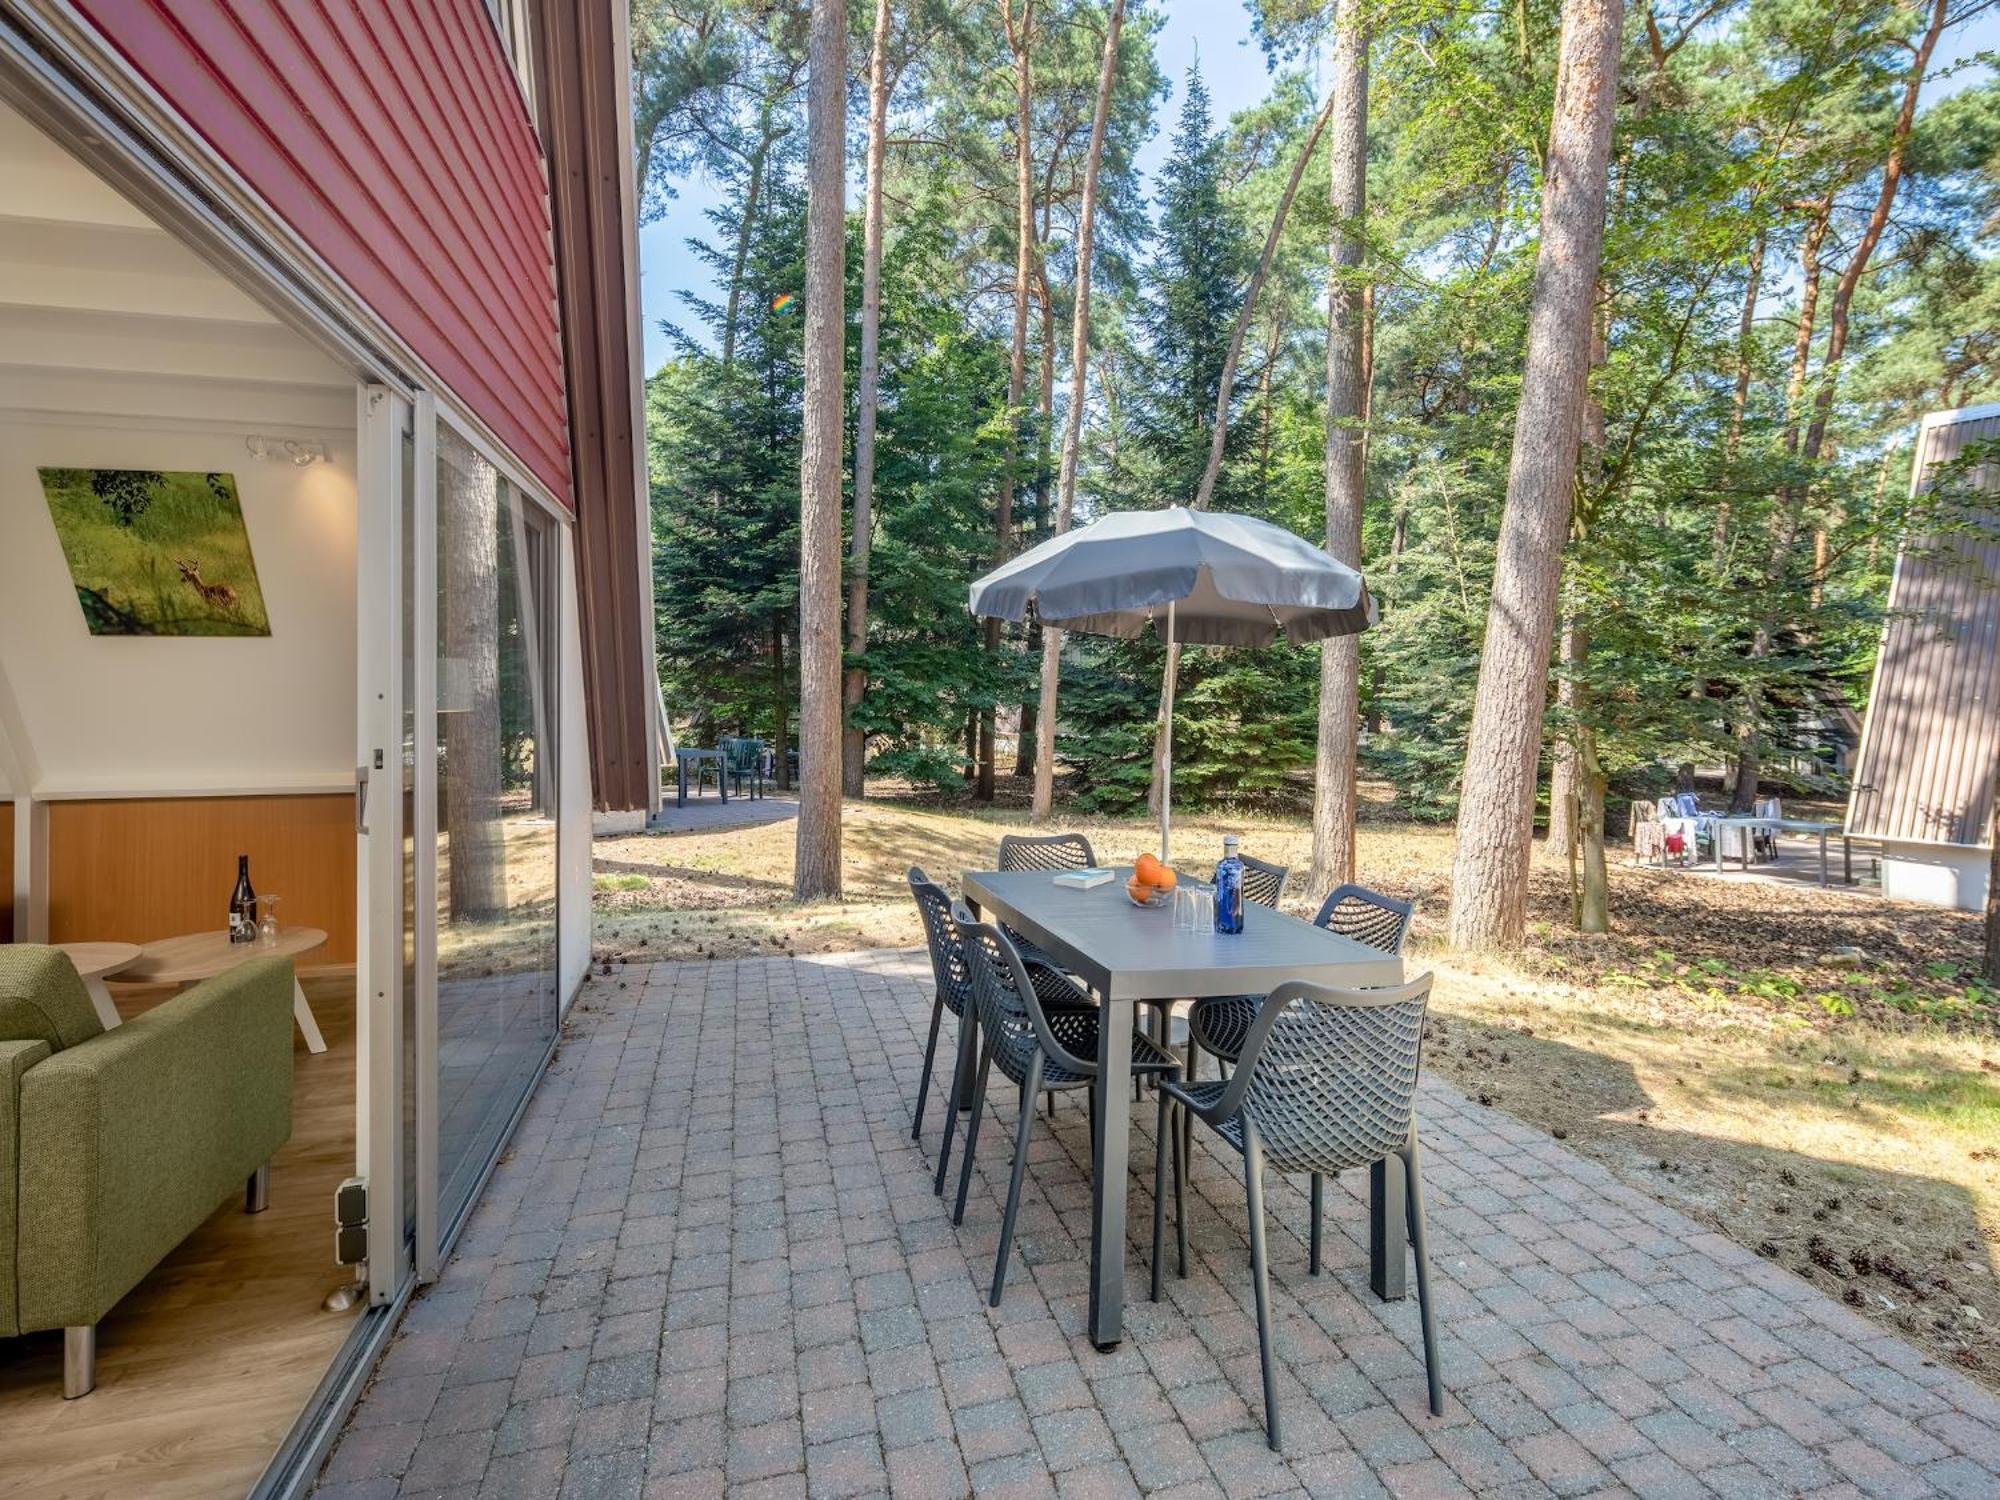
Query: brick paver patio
pixel 712 1263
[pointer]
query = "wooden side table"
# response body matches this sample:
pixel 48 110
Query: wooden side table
pixel 97 962
pixel 203 955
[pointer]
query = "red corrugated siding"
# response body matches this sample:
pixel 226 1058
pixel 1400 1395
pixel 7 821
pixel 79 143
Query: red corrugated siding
pixel 391 135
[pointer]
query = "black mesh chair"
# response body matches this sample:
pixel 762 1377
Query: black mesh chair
pixel 1219 1024
pixel 953 979
pixel 1042 851
pixel 1046 851
pixel 1327 1080
pixel 1040 1049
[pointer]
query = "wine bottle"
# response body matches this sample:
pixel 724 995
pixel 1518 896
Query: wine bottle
pixel 243 905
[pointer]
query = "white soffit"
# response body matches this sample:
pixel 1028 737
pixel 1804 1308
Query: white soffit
pixel 104 313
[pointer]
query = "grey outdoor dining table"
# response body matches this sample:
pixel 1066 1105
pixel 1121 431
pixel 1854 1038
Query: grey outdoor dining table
pixel 1126 955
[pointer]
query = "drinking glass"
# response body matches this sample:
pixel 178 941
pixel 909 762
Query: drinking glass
pixel 267 926
pixel 1194 906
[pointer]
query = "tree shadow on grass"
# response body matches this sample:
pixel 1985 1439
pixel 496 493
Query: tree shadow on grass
pixel 1905 1248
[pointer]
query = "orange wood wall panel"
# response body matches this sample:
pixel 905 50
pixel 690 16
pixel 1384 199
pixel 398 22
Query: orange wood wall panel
pixel 6 872
pixel 133 870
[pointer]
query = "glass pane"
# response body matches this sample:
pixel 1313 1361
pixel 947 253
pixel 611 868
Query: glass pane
pixel 496 810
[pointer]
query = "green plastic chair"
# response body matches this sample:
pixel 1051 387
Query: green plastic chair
pixel 743 762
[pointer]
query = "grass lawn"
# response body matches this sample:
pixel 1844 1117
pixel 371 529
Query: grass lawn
pixel 1840 1116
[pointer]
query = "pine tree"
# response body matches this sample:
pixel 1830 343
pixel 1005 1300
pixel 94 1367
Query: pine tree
pixel 1191 289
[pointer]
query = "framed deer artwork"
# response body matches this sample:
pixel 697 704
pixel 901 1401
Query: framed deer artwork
pixel 155 552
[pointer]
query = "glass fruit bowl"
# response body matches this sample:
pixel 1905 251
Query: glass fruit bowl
pixel 1151 897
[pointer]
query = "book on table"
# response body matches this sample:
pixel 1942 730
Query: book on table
pixel 1084 880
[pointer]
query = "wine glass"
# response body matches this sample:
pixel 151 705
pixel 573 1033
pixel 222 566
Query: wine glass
pixel 267 925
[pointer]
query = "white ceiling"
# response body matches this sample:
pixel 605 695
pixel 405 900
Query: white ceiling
pixel 104 313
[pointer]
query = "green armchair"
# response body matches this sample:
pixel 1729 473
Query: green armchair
pixel 116 1145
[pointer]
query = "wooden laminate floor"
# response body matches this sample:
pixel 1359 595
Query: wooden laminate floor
pixel 203 1367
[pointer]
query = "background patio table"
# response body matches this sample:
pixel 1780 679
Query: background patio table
pixel 689 756
pixel 1127 955
pixel 1808 827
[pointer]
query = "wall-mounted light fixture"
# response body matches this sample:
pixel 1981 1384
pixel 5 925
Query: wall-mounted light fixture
pixel 301 451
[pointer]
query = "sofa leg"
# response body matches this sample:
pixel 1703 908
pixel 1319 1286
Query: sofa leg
pixel 257 1190
pixel 79 1361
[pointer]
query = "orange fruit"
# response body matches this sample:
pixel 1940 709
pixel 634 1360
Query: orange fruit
pixel 1166 878
pixel 1148 869
pixel 1138 890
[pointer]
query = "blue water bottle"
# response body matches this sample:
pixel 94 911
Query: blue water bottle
pixel 1229 889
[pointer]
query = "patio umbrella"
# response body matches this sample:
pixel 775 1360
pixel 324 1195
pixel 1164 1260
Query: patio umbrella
pixel 1216 580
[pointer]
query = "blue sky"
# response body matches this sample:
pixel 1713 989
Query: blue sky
pixel 1214 31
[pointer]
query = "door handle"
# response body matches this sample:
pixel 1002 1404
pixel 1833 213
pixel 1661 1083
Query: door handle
pixel 361 800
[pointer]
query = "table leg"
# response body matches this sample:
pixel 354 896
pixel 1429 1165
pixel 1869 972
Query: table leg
pixel 1846 860
pixel 680 782
pixel 308 1027
pixel 1110 1147
pixel 1388 1230
pixel 100 998
pixel 1823 881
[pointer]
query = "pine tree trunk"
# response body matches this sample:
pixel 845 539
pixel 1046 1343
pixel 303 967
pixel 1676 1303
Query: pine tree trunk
pixel 1079 370
pixel 468 494
pixel 1746 772
pixel 854 743
pixel 816 865
pixel 1594 915
pixel 1572 652
pixel 1219 428
pixel 781 710
pixel 1746 348
pixel 1020 35
pixel 1565 764
pixel 1497 800
pixel 1028 743
pixel 1334 763
pixel 752 198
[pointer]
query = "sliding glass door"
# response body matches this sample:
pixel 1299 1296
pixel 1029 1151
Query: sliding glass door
pixel 461 609
pixel 494 898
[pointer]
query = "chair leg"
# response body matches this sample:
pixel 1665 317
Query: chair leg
pixel 1180 1190
pixel 79 1361
pixel 1420 1244
pixel 257 1190
pixel 968 1031
pixel 1030 1090
pixel 972 1130
pixel 924 1079
pixel 1160 1149
pixel 1187 1115
pixel 1253 1192
pixel 1319 1209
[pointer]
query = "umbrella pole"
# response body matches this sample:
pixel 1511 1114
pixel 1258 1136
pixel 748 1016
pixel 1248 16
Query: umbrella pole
pixel 1167 753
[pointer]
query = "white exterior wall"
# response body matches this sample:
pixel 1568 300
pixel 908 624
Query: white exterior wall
pixel 1936 874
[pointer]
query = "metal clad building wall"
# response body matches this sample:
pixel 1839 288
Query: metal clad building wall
pixel 581 62
pixel 392 136
pixel 1927 765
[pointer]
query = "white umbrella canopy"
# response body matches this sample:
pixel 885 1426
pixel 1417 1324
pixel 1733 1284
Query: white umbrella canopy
pixel 1202 578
